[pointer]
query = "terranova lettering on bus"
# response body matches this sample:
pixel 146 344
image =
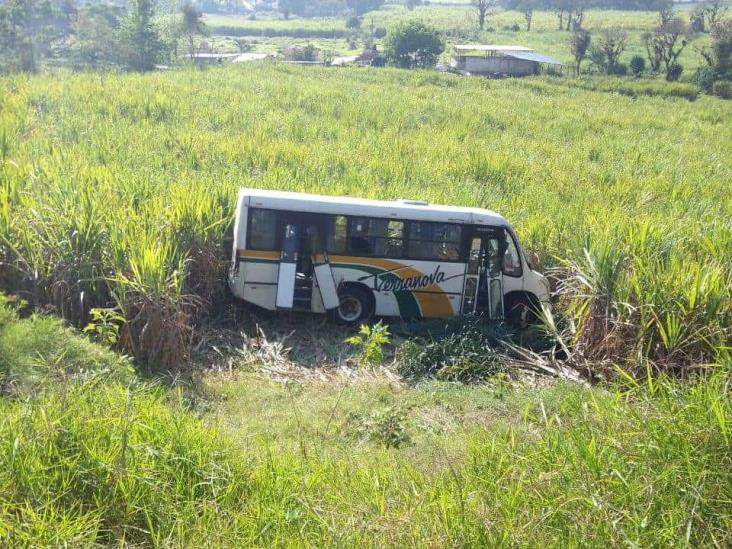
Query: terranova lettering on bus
pixel 394 284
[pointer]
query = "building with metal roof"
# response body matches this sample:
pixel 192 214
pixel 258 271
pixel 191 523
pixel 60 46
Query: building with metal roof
pixel 498 60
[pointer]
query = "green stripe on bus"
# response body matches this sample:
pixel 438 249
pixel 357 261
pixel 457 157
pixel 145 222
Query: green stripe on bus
pixel 407 303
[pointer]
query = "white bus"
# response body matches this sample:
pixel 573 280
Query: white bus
pixel 355 258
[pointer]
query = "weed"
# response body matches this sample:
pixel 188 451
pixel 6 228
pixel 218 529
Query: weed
pixel 371 340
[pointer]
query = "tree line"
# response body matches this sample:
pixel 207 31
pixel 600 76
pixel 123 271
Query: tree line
pixel 136 37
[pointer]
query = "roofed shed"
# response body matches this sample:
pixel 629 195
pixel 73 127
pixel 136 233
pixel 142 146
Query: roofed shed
pixel 489 59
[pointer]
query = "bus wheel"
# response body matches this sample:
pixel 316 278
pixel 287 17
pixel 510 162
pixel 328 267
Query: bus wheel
pixel 356 306
pixel 521 313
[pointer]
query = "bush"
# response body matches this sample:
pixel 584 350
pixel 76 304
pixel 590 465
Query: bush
pixel 371 342
pixel 637 65
pixel 464 350
pixel 618 69
pixel 674 72
pixel 386 427
pixel 353 23
pixel 704 77
pixel 722 89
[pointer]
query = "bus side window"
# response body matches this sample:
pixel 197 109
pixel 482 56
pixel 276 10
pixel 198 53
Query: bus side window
pixel 433 241
pixel 336 234
pixel 359 242
pixel 262 229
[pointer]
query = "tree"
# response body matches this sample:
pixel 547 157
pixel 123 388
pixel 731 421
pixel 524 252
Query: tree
pixel 526 7
pixel 413 44
pixel 719 53
pixel 140 44
pixel 94 41
pixel 482 9
pixel 610 46
pixel 359 7
pixel 27 28
pixel 714 11
pixel 192 25
pixel 579 44
pixel 576 14
pixel 665 9
pixel 667 42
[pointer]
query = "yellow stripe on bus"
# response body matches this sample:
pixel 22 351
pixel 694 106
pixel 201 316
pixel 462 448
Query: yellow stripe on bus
pixel 257 254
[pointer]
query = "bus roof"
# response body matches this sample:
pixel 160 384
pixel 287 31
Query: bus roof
pixel 346 205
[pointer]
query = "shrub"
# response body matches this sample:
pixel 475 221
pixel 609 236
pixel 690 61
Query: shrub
pixel 674 72
pixel 386 426
pixel 637 65
pixel 704 77
pixel 618 69
pixel 722 89
pixel 353 23
pixel 371 341
pixel 464 350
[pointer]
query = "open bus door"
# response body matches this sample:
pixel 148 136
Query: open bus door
pixel 326 282
pixel 483 287
pixel 287 271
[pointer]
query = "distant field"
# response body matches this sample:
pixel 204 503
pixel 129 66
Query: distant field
pixel 458 22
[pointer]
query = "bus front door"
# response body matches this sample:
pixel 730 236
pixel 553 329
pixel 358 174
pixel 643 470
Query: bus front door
pixel 287 272
pixel 483 288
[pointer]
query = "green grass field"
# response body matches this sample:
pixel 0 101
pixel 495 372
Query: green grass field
pixel 90 218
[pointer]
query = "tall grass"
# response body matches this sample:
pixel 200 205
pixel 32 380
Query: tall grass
pixel 91 455
pixel 119 190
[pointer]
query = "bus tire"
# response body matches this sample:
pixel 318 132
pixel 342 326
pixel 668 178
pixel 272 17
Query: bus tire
pixel 521 312
pixel 356 306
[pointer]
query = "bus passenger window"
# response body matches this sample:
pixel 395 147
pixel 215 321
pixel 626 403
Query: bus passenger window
pixel 511 258
pixel 336 235
pixel 434 241
pixel 388 236
pixel 262 229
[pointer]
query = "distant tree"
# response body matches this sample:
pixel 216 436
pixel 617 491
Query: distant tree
pixel 354 23
pixel 483 9
pixel 359 7
pixel 570 13
pixel 192 25
pixel 669 40
pixel 140 43
pixel 697 20
pixel 28 27
pixel 665 9
pixel 527 7
pixel 719 53
pixel 411 4
pixel 413 44
pixel 714 10
pixel 94 41
pixel 611 43
pixel 579 44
